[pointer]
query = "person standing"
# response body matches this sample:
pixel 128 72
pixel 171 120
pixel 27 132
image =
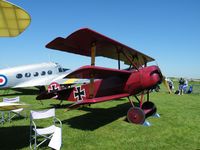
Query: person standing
pixel 181 86
pixel 185 86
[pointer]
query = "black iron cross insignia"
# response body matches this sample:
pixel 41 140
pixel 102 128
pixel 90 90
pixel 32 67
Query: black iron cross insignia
pixel 79 94
pixel 53 87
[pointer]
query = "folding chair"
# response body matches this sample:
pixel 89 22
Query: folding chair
pixel 43 133
pixel 14 112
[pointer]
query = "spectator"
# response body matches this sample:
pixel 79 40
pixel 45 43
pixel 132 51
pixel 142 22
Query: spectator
pixel 181 85
pixel 185 86
pixel 190 89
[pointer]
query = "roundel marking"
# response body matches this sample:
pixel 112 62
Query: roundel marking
pixel 3 80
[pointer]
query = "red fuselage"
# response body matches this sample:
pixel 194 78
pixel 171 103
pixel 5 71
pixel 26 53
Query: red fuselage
pixel 117 85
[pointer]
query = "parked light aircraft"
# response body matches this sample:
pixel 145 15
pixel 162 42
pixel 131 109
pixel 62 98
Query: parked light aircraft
pixel 105 83
pixel 34 75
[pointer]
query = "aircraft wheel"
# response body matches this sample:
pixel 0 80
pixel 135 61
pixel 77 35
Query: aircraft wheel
pixel 136 115
pixel 149 108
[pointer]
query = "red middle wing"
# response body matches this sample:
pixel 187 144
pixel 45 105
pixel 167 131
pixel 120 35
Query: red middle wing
pixel 98 100
pixel 87 72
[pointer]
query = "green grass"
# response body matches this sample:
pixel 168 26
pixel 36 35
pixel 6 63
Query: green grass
pixel 104 125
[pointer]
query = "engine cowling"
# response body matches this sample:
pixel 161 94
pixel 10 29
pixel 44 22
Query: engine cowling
pixel 143 79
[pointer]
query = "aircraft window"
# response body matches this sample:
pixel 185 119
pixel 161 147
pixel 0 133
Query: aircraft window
pixel 43 73
pixel 27 74
pixel 60 69
pixel 18 76
pixel 49 72
pixel 35 74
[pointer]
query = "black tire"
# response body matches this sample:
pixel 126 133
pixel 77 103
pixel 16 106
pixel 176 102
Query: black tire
pixel 149 108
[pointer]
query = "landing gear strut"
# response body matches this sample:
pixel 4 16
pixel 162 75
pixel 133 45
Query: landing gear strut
pixel 137 115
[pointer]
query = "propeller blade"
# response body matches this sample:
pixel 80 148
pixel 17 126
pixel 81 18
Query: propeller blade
pixel 164 81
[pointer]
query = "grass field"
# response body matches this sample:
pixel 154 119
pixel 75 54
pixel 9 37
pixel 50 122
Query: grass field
pixel 104 125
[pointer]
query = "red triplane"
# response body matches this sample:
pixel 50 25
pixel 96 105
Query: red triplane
pixel 105 83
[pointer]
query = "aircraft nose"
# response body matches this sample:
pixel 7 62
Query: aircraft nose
pixel 157 74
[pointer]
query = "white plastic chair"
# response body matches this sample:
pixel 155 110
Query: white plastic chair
pixel 45 133
pixel 14 112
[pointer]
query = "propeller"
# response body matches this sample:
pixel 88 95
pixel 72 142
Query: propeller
pixel 164 81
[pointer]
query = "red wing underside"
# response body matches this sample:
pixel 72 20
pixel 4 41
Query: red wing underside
pixel 97 100
pixel 80 42
pixel 87 72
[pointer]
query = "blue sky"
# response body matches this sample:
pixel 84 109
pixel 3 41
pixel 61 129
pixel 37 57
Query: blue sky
pixel 167 30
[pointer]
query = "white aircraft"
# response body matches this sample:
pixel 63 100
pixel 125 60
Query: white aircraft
pixel 34 75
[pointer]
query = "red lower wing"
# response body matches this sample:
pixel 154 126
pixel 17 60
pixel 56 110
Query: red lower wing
pixel 96 72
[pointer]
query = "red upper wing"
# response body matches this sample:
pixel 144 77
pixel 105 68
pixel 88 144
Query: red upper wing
pixel 80 42
pixel 87 72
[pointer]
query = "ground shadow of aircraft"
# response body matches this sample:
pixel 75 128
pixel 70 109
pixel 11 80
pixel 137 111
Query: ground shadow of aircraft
pixel 103 116
pixel 11 135
pixel 19 91
pixel 58 106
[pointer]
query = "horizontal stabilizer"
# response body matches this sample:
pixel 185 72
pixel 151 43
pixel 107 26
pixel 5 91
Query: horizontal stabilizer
pixel 45 95
pixel 60 95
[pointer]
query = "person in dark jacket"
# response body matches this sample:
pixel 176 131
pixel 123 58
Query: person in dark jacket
pixel 181 85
